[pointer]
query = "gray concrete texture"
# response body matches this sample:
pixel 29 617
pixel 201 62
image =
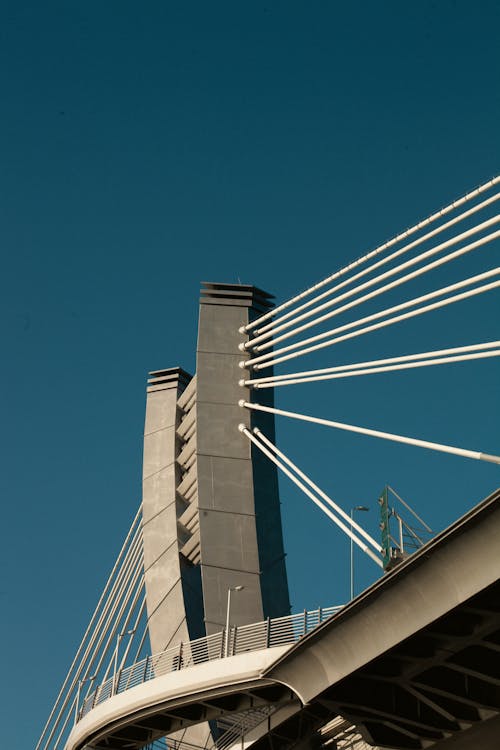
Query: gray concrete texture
pixel 211 506
pixel 240 524
pixel 211 513
pixel 165 595
pixel 170 520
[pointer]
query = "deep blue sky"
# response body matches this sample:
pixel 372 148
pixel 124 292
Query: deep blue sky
pixel 148 146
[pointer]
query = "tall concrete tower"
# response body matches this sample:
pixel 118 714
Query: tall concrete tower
pixel 210 504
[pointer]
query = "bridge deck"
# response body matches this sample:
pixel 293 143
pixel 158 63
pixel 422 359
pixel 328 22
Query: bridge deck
pixel 414 662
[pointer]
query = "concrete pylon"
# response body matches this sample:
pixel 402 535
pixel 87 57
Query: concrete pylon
pixel 172 583
pixel 239 515
pixel 211 511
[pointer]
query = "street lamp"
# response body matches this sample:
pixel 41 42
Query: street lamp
pixel 78 692
pixel 355 508
pixel 233 588
pixel 115 659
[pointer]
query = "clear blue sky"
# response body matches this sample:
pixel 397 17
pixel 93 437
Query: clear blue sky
pixel 148 146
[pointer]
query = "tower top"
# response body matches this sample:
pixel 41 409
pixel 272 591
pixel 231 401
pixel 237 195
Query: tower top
pixel 242 295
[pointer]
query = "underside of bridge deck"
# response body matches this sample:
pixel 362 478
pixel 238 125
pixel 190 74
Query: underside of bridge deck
pixel 440 688
pixel 438 685
pixel 412 663
pixel 139 729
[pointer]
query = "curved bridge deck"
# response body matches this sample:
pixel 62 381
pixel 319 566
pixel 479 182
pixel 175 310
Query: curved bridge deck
pixel 413 662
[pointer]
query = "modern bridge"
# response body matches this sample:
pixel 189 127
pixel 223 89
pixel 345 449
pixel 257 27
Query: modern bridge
pixel 429 673
pixel 413 662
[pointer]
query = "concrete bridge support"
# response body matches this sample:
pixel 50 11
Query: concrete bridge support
pixel 211 510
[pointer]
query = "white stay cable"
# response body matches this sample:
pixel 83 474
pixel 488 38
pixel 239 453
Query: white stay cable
pixel 276 325
pixel 124 586
pixel 144 635
pixel 477 455
pixel 306 491
pixel 71 689
pixel 113 603
pixel 391 285
pixel 122 556
pixel 123 629
pixel 56 745
pixel 409 508
pixel 97 634
pixel 69 716
pixel 113 632
pixel 134 629
pixel 372 363
pixel 316 489
pixel 384 323
pixel 387 368
pixel 439 214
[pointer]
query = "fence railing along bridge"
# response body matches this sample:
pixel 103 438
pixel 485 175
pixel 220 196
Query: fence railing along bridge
pixel 279 631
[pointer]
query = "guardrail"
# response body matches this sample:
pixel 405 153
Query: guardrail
pixel 267 634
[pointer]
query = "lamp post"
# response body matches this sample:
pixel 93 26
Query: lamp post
pixel 115 659
pixel 353 510
pixel 228 613
pixel 78 693
pixel 80 684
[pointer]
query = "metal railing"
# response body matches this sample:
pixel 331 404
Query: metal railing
pixel 279 631
pixel 238 725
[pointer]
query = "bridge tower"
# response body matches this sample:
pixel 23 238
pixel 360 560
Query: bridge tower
pixel 210 523
pixel 211 514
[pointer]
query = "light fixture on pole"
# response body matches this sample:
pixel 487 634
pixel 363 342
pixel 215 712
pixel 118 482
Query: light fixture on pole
pixel 353 510
pixel 78 692
pixel 115 658
pixel 228 613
